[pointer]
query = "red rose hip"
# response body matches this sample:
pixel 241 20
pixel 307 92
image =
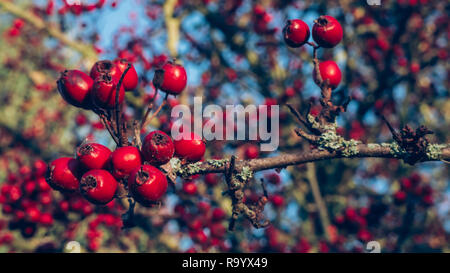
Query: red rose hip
pixel 170 78
pixel 296 33
pixel 158 148
pixel 327 31
pixel 147 184
pixel 98 186
pixel 124 160
pixel 75 87
pixel 190 147
pixel 93 156
pixel 330 71
pixel 63 174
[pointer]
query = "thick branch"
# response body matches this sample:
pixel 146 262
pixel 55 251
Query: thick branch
pixel 285 160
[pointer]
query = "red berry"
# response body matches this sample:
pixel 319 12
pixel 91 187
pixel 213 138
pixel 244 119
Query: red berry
pixel 218 214
pixel 212 179
pixel 98 186
pixel 93 156
pixel 105 89
pixel 46 219
pixel 170 78
pixel 147 184
pixel 190 188
pixel 63 174
pixel 158 148
pixel 131 79
pixel 277 200
pixel 33 214
pixel 42 185
pixel 124 160
pixel 296 33
pixel 104 67
pixel 190 147
pixel 251 152
pixel 400 197
pixel 327 31
pixel 39 168
pixel 75 87
pixel 364 235
pixel 330 71
pixel 217 230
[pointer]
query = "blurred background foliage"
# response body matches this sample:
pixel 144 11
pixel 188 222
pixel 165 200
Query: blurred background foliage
pixel 394 59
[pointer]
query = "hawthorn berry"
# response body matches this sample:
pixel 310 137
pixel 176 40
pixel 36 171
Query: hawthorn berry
pixel 327 31
pixel 330 71
pixel 147 184
pixel 131 79
pixel 75 87
pixel 105 89
pixel 158 148
pixel 93 156
pixel 63 174
pixel 190 188
pixel 190 147
pixel 98 186
pixel 104 67
pixel 251 152
pixel 170 78
pixel 296 33
pixel 124 160
pixel 39 168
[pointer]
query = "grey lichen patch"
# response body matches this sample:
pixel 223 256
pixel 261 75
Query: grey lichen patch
pixel 395 149
pixel 373 146
pixel 218 163
pixel 331 141
pixel 245 174
pixel 434 151
pixel 322 127
pixel 185 170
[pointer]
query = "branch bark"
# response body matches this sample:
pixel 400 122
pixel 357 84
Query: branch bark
pixel 285 160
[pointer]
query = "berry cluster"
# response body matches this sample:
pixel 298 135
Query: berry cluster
pixel 26 197
pixel 98 173
pixel 412 189
pixel 327 33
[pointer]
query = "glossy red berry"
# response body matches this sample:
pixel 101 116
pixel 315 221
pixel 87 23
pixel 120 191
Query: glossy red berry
pixel 277 200
pixel 400 197
pixel 98 186
pixel 131 79
pixel 251 152
pixel 330 71
pixel 104 67
pixel 327 31
pixel 296 33
pixel 190 147
pixel 124 160
pixel 105 89
pixel 75 87
pixel 39 168
pixel 147 184
pixel 63 174
pixel 93 156
pixel 158 148
pixel 170 78
pixel 190 188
